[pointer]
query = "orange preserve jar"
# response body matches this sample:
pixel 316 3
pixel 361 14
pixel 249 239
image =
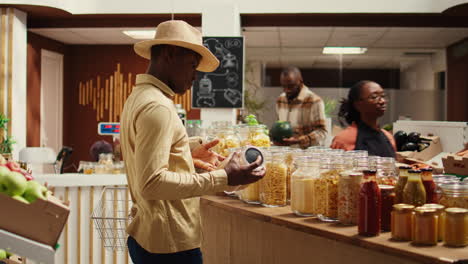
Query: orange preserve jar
pixel 402 222
pixel 425 226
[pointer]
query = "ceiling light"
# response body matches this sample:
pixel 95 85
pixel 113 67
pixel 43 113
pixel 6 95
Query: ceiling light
pixel 344 50
pixel 140 34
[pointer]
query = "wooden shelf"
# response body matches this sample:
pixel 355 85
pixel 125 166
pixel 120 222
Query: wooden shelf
pixel 282 216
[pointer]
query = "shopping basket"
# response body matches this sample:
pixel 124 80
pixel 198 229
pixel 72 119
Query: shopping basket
pixel 111 217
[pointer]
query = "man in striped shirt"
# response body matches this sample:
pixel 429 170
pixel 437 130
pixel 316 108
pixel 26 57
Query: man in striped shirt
pixel 302 108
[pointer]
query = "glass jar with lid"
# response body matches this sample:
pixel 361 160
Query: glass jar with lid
pixel 440 180
pixel 273 187
pixel 257 136
pixel 441 214
pixel 386 171
pixel 106 158
pixel 303 202
pixel 227 139
pixel 425 226
pixel 361 163
pixel 330 170
pixel 243 132
pixel 349 184
pixel 454 195
pixel 402 222
pixel 456 227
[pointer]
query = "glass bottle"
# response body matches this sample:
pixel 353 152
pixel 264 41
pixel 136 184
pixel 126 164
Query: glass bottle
pixel 425 226
pixel 401 183
pixel 272 188
pixel 388 200
pixel 454 194
pixel 370 204
pixel 189 128
pixel 456 227
pixel 441 214
pixel 414 192
pixel 429 185
pixel 402 222
pixel 349 185
pixel 302 186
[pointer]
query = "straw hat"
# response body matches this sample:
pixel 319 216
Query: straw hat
pixel 179 33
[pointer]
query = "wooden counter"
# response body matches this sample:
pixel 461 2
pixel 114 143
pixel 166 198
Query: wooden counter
pixel 235 232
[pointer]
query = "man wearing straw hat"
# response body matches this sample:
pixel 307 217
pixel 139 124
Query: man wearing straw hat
pixel 159 157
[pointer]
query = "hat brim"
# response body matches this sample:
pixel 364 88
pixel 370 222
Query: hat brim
pixel 208 62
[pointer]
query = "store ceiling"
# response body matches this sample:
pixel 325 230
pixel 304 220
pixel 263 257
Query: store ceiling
pixel 302 46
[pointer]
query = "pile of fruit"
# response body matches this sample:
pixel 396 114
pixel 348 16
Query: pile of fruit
pixel 4 254
pixel 410 142
pixel 19 184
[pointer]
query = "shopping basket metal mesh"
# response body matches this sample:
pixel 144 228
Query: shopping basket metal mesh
pixel 111 217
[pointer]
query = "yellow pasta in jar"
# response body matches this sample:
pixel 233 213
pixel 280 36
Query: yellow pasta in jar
pixel 273 185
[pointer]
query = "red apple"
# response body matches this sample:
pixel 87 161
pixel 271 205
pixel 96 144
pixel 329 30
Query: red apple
pixel 27 175
pixel 13 166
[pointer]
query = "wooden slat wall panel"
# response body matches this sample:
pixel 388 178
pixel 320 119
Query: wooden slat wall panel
pixel 110 93
pixel 10 68
pixel 3 50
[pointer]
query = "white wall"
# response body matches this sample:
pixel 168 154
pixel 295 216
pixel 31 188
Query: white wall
pixel 245 6
pixel 422 75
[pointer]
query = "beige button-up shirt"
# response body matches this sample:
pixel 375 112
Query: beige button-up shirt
pixel 306 113
pixel 160 171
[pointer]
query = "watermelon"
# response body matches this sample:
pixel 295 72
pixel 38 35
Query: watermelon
pixel 280 130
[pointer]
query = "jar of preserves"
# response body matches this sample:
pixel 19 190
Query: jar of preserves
pixel 440 180
pixel 441 214
pixel 388 200
pixel 454 195
pixel 349 184
pixel 401 183
pixel 402 222
pixel 303 179
pixel 272 188
pixel 414 192
pixel 429 185
pixel 456 227
pixel 386 171
pixel 425 226
pixel 370 205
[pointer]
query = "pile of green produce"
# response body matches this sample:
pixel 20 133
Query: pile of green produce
pixel 281 130
pixel 19 184
pixel 4 254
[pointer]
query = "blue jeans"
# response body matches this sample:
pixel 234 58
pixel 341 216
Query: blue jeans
pixel 140 256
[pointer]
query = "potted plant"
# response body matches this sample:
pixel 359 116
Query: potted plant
pixel 6 141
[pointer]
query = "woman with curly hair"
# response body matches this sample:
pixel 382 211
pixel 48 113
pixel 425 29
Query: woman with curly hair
pixel 365 104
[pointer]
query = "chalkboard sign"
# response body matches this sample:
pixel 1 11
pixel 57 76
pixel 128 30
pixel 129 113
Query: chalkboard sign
pixel 222 88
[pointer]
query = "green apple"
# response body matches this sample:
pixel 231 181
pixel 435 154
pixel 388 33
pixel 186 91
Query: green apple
pixel 13 183
pixel 3 254
pixel 3 171
pixel 20 198
pixel 34 191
